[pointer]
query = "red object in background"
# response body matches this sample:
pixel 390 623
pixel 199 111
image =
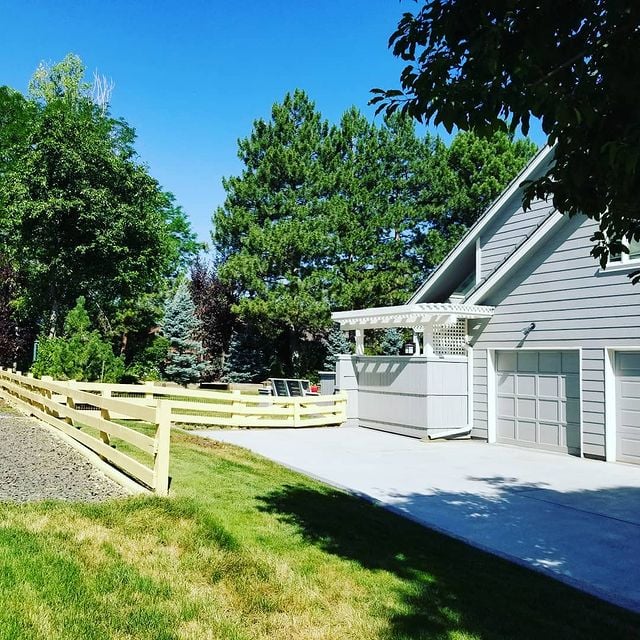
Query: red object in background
pixel 314 388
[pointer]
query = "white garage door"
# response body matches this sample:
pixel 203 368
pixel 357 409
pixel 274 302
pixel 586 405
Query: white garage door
pixel 538 399
pixel 628 407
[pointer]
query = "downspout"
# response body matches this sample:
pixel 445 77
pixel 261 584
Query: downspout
pixel 450 433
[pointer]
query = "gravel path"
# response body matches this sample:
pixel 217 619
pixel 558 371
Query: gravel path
pixel 36 465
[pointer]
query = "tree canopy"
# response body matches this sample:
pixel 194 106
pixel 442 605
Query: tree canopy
pixel 326 217
pixel 81 215
pixel 493 65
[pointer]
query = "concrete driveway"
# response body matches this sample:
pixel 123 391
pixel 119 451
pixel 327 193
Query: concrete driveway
pixel 577 520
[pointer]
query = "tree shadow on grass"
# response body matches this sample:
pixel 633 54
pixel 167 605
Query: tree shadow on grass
pixel 448 587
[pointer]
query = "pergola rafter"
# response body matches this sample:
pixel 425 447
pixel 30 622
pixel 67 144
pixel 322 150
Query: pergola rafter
pixel 421 317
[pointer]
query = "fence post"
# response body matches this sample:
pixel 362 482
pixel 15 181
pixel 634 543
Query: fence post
pixel 342 415
pixel 71 403
pixel 163 445
pixel 148 392
pixel 296 412
pixel 49 396
pixel 236 408
pixel 105 414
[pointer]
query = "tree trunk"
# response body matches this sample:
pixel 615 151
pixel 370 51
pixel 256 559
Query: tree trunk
pixel 53 319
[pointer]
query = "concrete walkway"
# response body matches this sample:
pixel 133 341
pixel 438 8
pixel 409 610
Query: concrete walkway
pixel 577 520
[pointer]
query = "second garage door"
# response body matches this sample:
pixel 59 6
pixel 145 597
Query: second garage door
pixel 628 406
pixel 538 399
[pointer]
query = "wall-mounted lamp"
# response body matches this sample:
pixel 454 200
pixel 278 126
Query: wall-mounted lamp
pixel 529 329
pixel 409 348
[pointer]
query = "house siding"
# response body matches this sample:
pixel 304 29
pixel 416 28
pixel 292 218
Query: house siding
pixel 508 231
pixel 574 305
pixel 415 396
pixel 480 397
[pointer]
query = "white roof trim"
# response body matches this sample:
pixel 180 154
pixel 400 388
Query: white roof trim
pixel 514 259
pixel 408 315
pixel 482 222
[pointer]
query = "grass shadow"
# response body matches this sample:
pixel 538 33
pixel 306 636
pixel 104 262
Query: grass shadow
pixel 449 588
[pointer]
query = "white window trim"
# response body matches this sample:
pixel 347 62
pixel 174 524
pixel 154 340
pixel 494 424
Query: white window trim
pixel 623 265
pixel 625 262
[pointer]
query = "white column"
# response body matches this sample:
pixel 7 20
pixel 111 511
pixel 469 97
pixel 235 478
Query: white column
pixel 416 341
pixel 427 338
pixel 359 342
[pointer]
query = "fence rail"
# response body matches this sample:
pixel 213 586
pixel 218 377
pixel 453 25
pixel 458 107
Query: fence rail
pixel 76 408
pixel 227 409
pixel 56 403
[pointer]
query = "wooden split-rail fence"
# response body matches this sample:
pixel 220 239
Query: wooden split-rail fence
pixel 87 412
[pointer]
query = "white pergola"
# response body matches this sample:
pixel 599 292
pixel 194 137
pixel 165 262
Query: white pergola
pixel 421 317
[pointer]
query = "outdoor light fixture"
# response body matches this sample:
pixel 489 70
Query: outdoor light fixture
pixel 529 329
pixel 409 348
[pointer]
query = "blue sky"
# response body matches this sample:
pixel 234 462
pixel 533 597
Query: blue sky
pixel 192 76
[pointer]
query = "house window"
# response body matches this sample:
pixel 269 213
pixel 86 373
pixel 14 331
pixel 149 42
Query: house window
pixel 625 258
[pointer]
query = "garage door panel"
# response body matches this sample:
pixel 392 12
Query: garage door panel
pixel 550 434
pixel 526 385
pixel 537 400
pixel 570 362
pixel 528 361
pixel 507 361
pixel 506 383
pixel 549 410
pixel 628 406
pixel 570 386
pixel 506 407
pixel 628 363
pixel 571 437
pixel 506 428
pixel 550 362
pixel 549 386
pixel 526 431
pixel 630 448
pixel 526 408
pixel 630 389
pixel 629 420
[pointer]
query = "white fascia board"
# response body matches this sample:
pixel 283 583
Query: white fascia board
pixel 514 259
pixel 475 230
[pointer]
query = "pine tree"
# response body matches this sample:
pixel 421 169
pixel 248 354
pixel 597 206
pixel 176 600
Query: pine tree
pixel 180 326
pixel 392 342
pixel 336 343
pixel 249 358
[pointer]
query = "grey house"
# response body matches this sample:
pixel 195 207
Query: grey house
pixel 520 338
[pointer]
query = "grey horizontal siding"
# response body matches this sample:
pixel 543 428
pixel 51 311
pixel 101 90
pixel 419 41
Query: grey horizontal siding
pixel 507 232
pixel 480 415
pixel 573 304
pixel 412 396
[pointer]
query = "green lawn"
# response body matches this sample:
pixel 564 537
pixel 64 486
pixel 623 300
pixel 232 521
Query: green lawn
pixel 247 549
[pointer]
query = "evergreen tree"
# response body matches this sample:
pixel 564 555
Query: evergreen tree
pixel 336 344
pixel 184 363
pixel 250 356
pixel 272 231
pixel 392 342
pixel 80 353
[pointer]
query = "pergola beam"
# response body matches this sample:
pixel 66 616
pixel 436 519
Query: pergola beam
pixel 415 316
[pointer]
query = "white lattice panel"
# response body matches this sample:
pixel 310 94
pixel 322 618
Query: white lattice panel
pixel 450 339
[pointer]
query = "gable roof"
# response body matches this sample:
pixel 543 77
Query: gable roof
pixel 464 251
pixel 521 252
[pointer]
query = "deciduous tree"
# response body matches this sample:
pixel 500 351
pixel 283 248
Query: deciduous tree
pixel 493 65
